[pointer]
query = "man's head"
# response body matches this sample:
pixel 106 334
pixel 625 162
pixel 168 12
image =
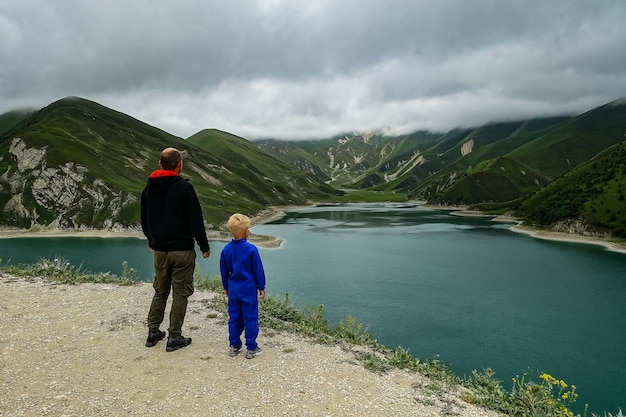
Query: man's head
pixel 239 225
pixel 171 159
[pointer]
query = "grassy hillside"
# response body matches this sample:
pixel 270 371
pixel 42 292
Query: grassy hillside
pixel 593 192
pixel 11 118
pixel 78 164
pixel 263 178
pixel 575 141
pixel 483 171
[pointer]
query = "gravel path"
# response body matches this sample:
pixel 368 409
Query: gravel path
pixel 78 350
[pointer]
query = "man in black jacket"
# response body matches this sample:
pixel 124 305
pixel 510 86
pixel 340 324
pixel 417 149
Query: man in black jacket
pixel 171 218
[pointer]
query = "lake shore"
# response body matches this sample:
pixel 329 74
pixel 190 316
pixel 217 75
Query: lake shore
pixel 568 237
pixel 275 213
pixel 520 227
pixel 265 216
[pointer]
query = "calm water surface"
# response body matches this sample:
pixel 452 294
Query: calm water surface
pixel 466 289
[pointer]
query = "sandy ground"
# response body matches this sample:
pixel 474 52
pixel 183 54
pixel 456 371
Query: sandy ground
pixel 519 227
pixel 566 237
pixel 78 350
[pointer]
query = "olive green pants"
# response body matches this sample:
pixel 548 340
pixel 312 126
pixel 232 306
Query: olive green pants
pixel 172 271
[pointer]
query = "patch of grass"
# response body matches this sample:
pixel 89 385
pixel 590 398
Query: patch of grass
pixel 204 282
pixel 366 196
pixel 60 270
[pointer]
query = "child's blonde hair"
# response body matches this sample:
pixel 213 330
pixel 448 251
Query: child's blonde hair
pixel 237 223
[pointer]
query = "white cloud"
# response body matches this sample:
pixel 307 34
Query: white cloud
pixel 312 69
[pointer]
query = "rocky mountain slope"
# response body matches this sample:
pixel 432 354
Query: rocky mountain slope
pixel 78 165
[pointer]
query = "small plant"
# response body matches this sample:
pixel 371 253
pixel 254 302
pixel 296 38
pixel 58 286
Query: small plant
pixel 353 332
pixel 438 370
pixel 402 359
pixel 129 275
pixel 487 391
pixel 315 318
pixel 205 282
pixel 547 398
pixel 281 314
pixel 58 269
pixel 373 362
pixel 550 397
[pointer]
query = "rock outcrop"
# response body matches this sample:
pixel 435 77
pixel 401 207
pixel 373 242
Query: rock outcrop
pixel 65 194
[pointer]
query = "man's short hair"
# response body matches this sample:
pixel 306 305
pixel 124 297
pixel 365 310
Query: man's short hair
pixel 170 157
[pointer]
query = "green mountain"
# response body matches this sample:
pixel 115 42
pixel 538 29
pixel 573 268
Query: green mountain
pixel 588 199
pixel 513 164
pixel 11 118
pixel 497 166
pixel 356 160
pixel 463 166
pixel 76 164
pixel 262 178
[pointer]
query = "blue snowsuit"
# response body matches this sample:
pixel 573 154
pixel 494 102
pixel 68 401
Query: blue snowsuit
pixel 242 276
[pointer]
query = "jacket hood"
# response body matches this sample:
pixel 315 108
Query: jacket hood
pixel 161 180
pixel 163 173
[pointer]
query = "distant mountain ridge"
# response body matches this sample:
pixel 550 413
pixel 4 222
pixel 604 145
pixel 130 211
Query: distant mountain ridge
pixel 76 164
pixel 492 167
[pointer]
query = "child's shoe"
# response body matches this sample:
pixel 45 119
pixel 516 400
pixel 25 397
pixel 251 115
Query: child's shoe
pixel 234 351
pixel 252 353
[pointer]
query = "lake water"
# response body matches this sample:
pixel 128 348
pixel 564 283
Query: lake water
pixel 466 289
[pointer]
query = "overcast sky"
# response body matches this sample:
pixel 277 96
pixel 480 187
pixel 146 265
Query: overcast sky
pixel 294 69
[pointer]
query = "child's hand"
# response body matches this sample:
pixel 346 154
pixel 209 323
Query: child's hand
pixel 226 293
pixel 262 293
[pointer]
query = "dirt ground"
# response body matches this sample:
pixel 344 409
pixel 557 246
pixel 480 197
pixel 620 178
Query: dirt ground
pixel 78 350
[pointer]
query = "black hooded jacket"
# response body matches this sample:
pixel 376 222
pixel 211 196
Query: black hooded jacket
pixel 171 217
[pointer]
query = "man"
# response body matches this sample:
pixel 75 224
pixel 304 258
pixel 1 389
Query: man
pixel 171 218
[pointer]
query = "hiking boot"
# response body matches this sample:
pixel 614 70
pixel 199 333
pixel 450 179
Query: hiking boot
pixel 234 351
pixel 252 353
pixel 154 337
pixel 177 342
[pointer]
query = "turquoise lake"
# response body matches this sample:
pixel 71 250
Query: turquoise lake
pixel 465 289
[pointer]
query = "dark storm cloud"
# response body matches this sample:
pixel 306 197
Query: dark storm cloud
pixel 294 69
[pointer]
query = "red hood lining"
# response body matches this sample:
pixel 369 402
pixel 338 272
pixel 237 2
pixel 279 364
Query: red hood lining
pixel 163 173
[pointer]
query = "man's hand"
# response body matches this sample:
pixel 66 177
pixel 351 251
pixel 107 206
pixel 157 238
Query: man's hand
pixel 262 293
pixel 206 254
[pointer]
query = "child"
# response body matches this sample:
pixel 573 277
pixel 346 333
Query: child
pixel 242 275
